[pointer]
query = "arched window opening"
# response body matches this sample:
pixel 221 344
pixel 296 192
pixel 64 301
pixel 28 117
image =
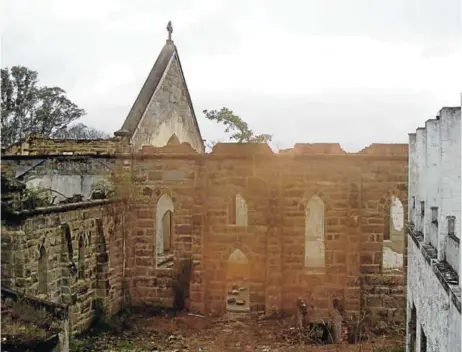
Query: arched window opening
pixel 81 261
pixel 314 233
pixel 167 231
pixel 393 236
pixel 237 282
pixel 42 271
pixel 164 232
pixel 239 211
pixel 173 140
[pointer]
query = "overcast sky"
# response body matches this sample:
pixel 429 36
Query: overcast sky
pixel 353 72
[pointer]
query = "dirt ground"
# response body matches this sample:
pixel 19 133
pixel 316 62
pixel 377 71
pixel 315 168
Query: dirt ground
pixel 185 332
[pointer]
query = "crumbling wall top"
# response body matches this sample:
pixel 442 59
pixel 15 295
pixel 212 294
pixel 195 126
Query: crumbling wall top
pixel 242 149
pixel 377 149
pixel 183 148
pixel 314 148
pixel 39 145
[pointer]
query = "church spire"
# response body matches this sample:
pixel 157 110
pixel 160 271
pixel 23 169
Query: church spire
pixel 169 30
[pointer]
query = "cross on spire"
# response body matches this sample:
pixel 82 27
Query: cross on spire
pixel 169 30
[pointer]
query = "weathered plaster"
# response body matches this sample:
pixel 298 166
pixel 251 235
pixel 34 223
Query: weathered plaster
pixel 420 180
pixel 450 182
pixel 413 180
pixel 65 176
pixel 436 313
pixel 168 113
pixel 434 263
pixel 432 170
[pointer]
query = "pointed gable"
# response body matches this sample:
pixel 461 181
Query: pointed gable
pixel 163 107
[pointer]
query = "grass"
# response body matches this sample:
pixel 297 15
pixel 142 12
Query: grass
pixel 22 322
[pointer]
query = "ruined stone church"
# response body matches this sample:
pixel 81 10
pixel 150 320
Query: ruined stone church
pixel 258 231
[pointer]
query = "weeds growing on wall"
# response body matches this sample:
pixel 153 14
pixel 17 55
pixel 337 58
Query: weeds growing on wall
pixel 35 198
pixel 102 189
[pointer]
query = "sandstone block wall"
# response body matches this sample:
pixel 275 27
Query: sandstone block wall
pixel 356 191
pixel 44 248
pixel 38 145
pixel 307 224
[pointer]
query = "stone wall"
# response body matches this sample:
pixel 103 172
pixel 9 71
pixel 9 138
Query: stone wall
pixel 306 224
pixel 62 176
pixel 70 254
pixel 353 196
pixel 38 145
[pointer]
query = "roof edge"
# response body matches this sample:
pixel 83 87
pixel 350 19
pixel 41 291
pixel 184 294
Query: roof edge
pixel 188 96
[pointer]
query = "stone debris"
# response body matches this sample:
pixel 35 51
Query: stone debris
pixel 171 334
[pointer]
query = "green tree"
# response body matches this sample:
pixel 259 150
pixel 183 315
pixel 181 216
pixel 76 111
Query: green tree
pixel 80 131
pixel 27 108
pixel 241 131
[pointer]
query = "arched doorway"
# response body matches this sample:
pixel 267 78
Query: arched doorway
pixel 238 283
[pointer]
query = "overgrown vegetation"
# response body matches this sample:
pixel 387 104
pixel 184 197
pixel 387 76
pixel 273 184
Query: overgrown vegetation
pixel 102 322
pixel 312 334
pixel 367 330
pixel 102 189
pixel 241 133
pixel 35 198
pixel 22 323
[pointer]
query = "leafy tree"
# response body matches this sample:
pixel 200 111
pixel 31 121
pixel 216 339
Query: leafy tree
pixel 80 131
pixel 27 108
pixel 241 131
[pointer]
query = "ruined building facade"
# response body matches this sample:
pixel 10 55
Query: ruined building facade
pixel 433 285
pixel 261 230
